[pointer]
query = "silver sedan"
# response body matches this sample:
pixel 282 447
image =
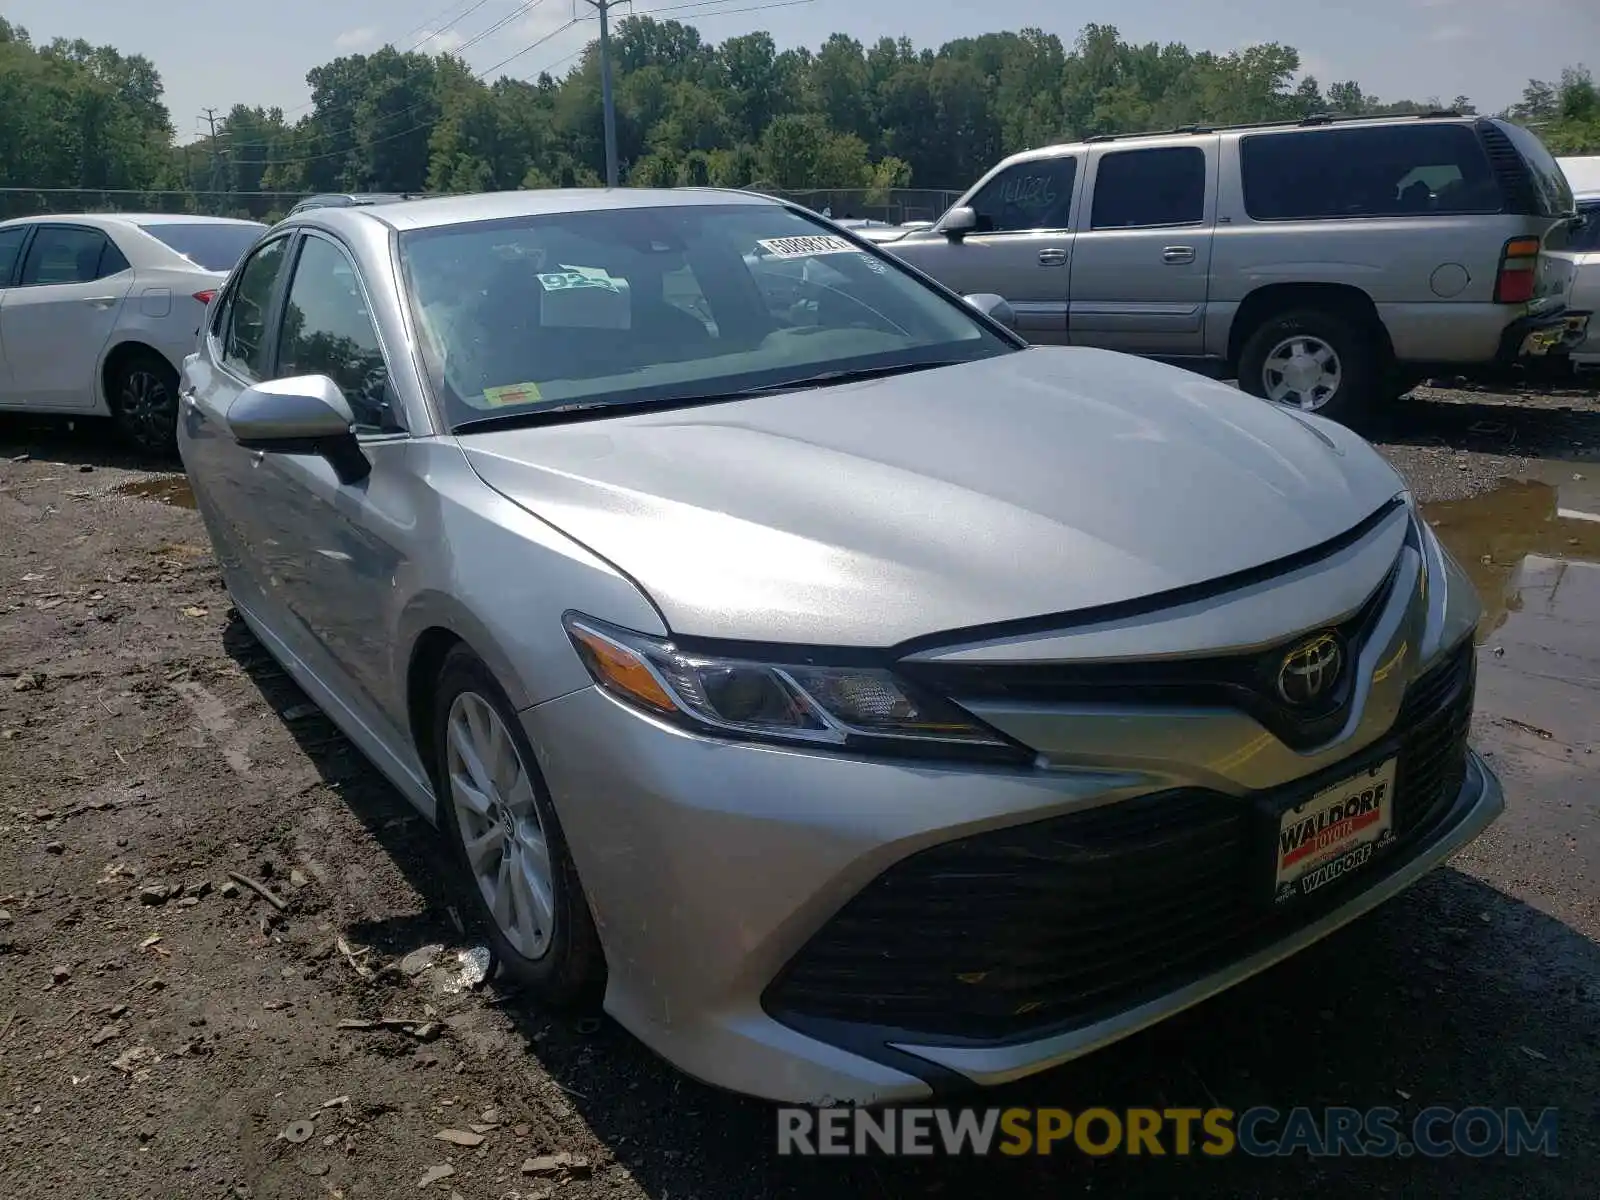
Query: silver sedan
pixel 851 698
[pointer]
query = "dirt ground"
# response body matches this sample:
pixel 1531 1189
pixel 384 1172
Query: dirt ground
pixel 165 1031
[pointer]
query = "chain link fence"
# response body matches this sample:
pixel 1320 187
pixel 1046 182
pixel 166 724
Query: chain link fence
pixel 894 205
pixel 37 202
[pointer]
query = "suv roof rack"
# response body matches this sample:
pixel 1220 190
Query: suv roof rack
pixel 1310 121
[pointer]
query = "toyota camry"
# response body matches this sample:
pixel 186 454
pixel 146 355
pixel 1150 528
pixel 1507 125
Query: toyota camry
pixel 852 699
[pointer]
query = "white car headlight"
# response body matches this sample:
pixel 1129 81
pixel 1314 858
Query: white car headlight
pixel 864 708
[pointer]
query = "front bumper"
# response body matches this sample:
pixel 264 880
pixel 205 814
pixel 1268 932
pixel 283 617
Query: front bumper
pixel 711 865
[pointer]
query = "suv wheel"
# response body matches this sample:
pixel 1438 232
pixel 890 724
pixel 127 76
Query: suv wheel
pixel 1314 361
pixel 144 401
pixel 496 812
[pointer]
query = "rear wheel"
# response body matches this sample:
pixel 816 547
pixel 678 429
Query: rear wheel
pixel 1315 361
pixel 496 812
pixel 144 402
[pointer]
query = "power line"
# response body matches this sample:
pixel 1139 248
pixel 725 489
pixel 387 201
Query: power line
pixel 390 137
pixel 497 26
pixel 319 135
pixel 448 25
pixel 602 5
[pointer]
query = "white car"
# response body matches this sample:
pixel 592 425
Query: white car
pixel 1584 296
pixel 98 312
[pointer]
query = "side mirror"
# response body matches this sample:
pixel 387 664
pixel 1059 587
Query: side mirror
pixel 304 414
pixel 996 308
pixel 958 222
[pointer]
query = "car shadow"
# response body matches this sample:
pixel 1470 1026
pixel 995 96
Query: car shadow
pixel 78 441
pixel 1545 424
pixel 1453 993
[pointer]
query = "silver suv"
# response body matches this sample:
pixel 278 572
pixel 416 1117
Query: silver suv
pixel 1327 264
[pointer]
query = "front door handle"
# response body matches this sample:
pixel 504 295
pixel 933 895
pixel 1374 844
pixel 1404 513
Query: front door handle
pixel 1178 254
pixel 1052 258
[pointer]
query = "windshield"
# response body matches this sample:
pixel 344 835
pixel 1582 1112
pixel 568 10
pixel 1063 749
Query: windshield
pixel 641 304
pixel 210 247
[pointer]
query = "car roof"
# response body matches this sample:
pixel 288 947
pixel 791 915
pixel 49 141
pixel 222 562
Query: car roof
pixel 100 220
pixel 430 212
pixel 1184 133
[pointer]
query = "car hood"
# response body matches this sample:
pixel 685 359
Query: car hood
pixel 1030 484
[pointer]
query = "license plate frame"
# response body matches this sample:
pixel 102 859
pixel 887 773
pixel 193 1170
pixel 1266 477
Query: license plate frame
pixel 1328 832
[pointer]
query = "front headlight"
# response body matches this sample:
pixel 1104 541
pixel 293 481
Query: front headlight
pixel 864 708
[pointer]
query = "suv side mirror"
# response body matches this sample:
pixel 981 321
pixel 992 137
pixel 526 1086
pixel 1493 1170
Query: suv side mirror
pixel 304 414
pixel 958 222
pixel 996 308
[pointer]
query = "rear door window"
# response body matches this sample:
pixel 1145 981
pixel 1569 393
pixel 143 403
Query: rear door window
pixel 68 254
pixel 1140 189
pixel 1027 196
pixel 1379 171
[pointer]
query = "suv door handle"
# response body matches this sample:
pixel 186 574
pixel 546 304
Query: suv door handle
pixel 1052 258
pixel 1178 254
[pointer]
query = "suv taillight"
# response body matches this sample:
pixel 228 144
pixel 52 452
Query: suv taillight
pixel 1519 271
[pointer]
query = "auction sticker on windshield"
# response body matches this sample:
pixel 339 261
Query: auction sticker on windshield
pixel 808 245
pixel 1335 832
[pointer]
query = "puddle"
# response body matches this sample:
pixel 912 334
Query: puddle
pixel 166 489
pixel 1511 539
pixel 1532 548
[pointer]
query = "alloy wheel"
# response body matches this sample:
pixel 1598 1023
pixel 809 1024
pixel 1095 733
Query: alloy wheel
pixel 1303 372
pixel 146 406
pixel 491 793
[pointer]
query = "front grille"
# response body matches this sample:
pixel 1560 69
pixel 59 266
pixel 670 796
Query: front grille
pixel 1051 925
pixel 1244 682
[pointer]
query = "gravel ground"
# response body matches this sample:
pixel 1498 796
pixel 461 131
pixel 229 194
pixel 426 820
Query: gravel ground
pixel 166 1031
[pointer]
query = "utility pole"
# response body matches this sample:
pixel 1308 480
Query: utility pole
pixel 216 161
pixel 607 101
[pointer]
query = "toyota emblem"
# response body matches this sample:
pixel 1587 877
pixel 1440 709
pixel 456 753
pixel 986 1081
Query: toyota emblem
pixel 1310 672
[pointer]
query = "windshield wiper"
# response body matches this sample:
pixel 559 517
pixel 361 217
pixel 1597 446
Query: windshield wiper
pixel 561 413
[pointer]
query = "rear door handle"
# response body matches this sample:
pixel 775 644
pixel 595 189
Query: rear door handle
pixel 1178 254
pixel 1052 258
pixel 100 301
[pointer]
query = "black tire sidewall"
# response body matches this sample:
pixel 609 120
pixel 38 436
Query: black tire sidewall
pixel 138 436
pixel 1360 360
pixel 571 973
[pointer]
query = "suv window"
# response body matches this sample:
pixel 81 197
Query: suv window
pixel 1029 195
pixel 1137 189
pixel 64 254
pixel 243 326
pixel 1555 194
pixel 1380 171
pixel 327 330
pixel 10 246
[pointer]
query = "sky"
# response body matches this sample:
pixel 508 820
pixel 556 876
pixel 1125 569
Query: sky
pixel 216 55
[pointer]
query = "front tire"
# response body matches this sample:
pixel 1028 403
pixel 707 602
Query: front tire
pixel 503 831
pixel 144 403
pixel 1315 361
